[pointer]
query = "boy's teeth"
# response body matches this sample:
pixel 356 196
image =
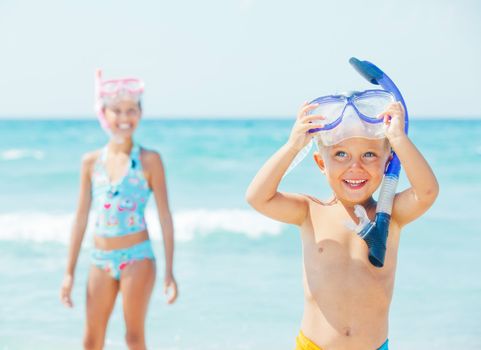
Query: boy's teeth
pixel 355 182
pixel 124 126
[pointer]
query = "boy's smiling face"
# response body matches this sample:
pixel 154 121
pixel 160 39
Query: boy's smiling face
pixel 354 167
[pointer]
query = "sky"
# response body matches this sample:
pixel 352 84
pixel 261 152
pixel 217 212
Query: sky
pixel 236 58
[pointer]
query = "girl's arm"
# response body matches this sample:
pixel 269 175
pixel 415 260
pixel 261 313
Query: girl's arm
pixel 262 193
pixel 78 228
pixel 159 187
pixel 414 201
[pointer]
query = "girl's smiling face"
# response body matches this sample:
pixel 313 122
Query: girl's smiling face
pixel 123 117
pixel 354 167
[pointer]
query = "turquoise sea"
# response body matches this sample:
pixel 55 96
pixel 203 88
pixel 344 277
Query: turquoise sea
pixel 239 273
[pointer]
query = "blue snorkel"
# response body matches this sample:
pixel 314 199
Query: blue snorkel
pixel 375 232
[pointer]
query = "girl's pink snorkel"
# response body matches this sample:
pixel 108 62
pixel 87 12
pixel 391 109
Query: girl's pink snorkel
pixel 99 104
pixel 110 91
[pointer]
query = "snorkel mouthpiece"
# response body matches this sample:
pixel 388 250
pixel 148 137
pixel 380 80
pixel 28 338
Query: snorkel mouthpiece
pixel 375 232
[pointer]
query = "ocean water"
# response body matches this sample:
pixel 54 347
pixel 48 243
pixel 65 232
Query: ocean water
pixel 239 273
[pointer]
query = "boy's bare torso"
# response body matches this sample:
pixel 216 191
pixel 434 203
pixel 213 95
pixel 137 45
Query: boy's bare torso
pixel 346 298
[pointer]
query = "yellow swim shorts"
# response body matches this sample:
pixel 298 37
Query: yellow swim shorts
pixel 304 343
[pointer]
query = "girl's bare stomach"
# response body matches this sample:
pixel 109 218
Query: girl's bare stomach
pixel 114 243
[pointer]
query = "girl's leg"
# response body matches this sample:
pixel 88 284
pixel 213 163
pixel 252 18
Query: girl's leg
pixel 102 290
pixel 136 284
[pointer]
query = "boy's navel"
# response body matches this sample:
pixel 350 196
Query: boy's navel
pixel 320 250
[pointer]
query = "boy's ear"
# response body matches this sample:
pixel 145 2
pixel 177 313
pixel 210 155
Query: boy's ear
pixel 320 162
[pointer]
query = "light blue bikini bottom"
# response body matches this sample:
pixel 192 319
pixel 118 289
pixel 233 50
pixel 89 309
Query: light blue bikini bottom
pixel 114 261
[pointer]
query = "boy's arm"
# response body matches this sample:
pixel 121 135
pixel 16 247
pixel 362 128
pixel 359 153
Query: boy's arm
pixel 262 193
pixel 414 201
pixel 263 196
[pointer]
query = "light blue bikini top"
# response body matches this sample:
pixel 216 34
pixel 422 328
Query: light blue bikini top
pixel 120 207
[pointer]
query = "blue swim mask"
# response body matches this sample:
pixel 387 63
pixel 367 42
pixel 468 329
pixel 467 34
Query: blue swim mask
pixel 352 114
pixel 347 115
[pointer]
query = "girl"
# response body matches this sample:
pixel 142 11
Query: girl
pixel 118 180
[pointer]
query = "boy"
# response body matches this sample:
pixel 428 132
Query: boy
pixel 346 298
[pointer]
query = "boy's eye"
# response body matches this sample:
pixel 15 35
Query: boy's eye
pixel 369 154
pixel 341 154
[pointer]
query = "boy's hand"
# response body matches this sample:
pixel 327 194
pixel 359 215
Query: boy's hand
pixel 394 118
pixel 300 136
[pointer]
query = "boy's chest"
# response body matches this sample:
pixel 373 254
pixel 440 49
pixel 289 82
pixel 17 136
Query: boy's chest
pixel 330 245
pixel 331 231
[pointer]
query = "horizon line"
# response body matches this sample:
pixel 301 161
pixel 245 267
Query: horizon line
pixel 206 117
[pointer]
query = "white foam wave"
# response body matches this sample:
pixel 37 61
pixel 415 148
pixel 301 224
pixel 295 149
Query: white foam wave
pixel 17 153
pixel 203 222
pixel 189 224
